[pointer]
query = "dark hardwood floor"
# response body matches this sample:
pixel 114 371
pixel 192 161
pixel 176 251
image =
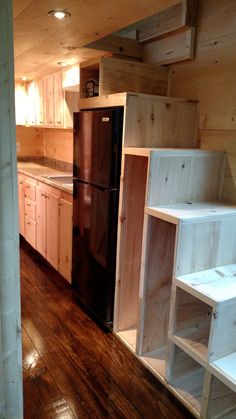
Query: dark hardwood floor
pixel 73 369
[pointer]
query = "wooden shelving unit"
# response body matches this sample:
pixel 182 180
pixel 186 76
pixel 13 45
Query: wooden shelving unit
pixel 174 231
pixel 118 75
pixel 187 257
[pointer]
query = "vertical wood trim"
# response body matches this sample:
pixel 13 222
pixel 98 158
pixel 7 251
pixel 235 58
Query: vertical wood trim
pixel 10 327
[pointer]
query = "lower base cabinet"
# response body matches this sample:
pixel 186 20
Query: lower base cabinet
pixel 46 224
pixel 65 239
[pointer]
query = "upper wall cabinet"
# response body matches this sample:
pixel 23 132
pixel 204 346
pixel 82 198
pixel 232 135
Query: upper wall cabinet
pixel 58 100
pixel 48 100
pixel 20 104
pixel 71 79
pixel 31 104
pixel 39 106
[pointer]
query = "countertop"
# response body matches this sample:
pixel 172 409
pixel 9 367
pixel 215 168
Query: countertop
pixel 40 173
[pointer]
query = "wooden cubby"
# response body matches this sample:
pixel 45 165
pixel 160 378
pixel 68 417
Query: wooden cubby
pixel 118 75
pixel 187 379
pixel 131 216
pixel 155 292
pixel 192 324
pixel 219 400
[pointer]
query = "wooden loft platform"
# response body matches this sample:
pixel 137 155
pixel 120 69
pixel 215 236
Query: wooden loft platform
pixel 192 212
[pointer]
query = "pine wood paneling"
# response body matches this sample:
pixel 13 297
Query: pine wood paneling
pixel 211 78
pixel 58 144
pixel 31 141
pixel 40 41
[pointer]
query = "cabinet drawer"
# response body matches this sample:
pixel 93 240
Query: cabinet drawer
pixel 30 231
pixel 30 208
pixel 30 191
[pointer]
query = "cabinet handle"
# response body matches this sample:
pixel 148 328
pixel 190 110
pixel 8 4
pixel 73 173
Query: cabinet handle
pixel 27 186
pixel 21 183
pixel 29 224
pixel 28 205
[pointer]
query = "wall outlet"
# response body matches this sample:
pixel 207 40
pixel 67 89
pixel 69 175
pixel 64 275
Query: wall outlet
pixel 18 147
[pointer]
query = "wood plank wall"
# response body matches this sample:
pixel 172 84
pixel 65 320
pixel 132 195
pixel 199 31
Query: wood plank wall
pixel 51 142
pixel 31 141
pixel 211 78
pixel 58 144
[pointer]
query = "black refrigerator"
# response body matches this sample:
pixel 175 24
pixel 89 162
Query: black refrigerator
pixel 97 162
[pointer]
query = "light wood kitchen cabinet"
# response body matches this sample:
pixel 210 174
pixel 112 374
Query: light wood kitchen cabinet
pixel 52 229
pixel 20 104
pixel 70 105
pixel 48 100
pixel 45 221
pixel 41 221
pixel 21 200
pixel 65 239
pixel 71 78
pixel 31 104
pixel 58 101
pixel 30 230
pixel 39 105
pixel 47 210
pixel 30 190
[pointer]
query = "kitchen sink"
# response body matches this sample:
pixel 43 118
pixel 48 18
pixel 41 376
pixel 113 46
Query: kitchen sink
pixel 64 180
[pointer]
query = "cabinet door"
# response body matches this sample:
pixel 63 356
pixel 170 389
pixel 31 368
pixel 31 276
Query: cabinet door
pixel 52 229
pixel 41 221
pixel 20 104
pixel 39 102
pixel 58 100
pixel 30 231
pixel 48 93
pixel 65 239
pixel 31 111
pixel 71 104
pixel 21 197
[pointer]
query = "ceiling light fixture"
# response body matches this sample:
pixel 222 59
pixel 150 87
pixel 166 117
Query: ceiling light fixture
pixel 59 14
pixel 62 63
pixel 24 78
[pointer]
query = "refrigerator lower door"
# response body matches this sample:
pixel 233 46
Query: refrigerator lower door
pixel 94 248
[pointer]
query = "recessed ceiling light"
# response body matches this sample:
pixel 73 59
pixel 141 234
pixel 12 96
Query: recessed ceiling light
pixel 24 78
pixel 59 14
pixel 62 63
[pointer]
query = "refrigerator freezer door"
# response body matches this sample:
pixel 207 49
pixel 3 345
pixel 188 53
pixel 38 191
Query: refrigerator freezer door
pixel 97 145
pixel 93 256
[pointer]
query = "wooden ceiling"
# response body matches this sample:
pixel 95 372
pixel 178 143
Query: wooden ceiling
pixel 41 41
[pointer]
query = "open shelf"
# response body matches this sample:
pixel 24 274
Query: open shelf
pixel 191 211
pixel 221 401
pixel 155 295
pixel 187 377
pixel 131 217
pixel 225 369
pixel 129 337
pixel 156 361
pixel 192 325
pixel 211 286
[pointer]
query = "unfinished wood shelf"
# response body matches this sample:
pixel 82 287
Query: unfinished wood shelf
pixel 116 75
pixel 174 231
pixel 192 211
pixel 192 324
pixel 187 378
